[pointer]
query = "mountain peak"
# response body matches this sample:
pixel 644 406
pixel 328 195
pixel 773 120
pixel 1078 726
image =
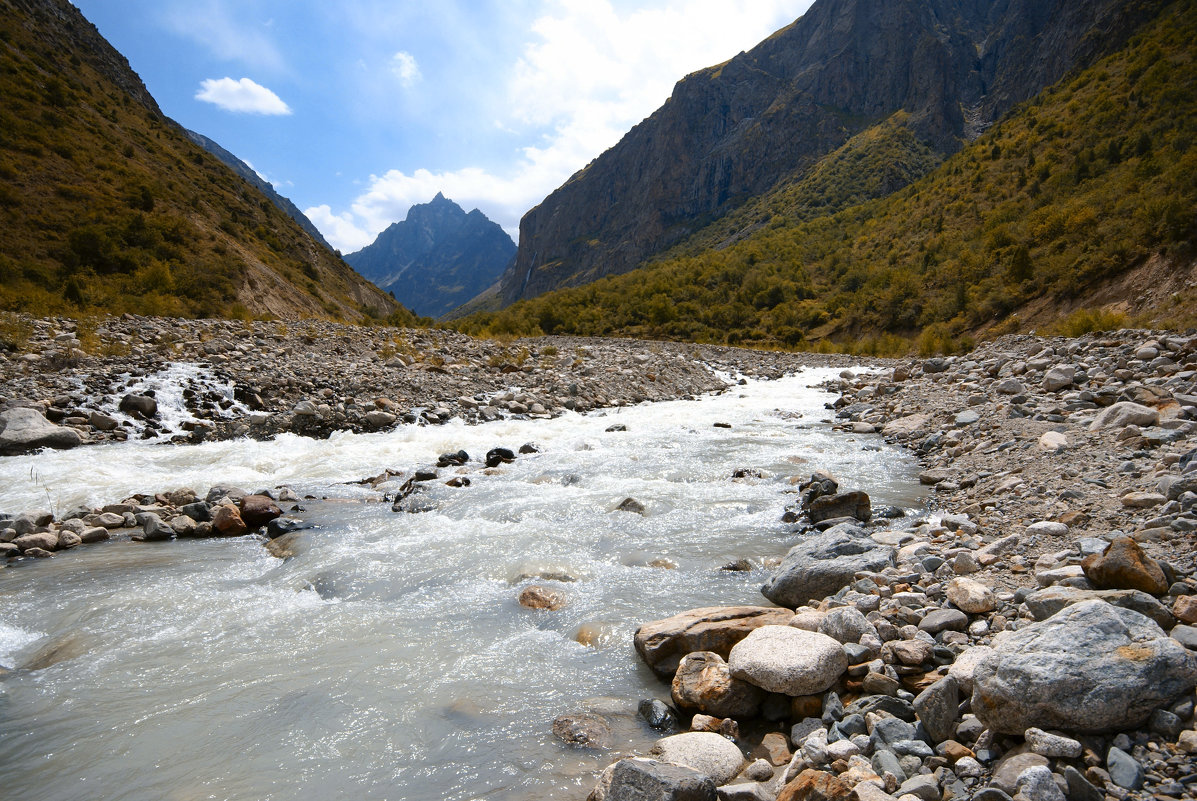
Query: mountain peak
pixel 438 258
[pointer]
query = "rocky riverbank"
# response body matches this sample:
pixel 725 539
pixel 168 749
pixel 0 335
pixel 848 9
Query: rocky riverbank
pixel 105 382
pixel 1032 639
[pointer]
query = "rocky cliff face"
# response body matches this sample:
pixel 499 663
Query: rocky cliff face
pixel 438 258
pixel 732 131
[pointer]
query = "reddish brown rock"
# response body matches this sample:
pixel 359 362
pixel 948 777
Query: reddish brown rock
pixel 704 682
pixel 663 643
pixel 258 510
pixel 773 747
pixel 227 521
pixel 814 785
pixel 1185 609
pixel 1125 566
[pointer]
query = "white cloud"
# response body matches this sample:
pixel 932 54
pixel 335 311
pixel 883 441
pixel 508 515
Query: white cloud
pixel 405 68
pixel 211 24
pixel 588 74
pixel 243 96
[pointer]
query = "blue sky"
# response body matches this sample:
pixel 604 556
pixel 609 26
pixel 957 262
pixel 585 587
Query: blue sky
pixel 358 109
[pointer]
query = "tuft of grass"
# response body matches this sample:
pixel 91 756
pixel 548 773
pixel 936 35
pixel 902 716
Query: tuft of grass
pixel 1088 321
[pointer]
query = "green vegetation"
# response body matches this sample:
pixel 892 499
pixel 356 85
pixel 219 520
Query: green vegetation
pixel 1070 190
pixel 106 206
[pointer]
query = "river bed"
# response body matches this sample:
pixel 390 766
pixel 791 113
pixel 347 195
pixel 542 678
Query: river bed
pixel 389 658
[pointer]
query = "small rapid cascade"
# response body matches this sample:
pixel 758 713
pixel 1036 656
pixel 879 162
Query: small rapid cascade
pixel 389 657
pixel 177 390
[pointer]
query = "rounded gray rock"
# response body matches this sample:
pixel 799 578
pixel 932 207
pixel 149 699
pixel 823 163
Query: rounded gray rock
pixel 706 752
pixel 1092 667
pixel 783 659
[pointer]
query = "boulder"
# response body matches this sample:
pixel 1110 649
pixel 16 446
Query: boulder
pixel 783 659
pixel 258 510
pixel 1059 378
pixel 845 624
pixel 1125 566
pixel 43 540
pixel 1044 603
pixel 1092 667
pixel 23 430
pixel 938 708
pixel 649 780
pixel 141 405
pixel 847 504
pixel 1125 413
pixel 663 643
pixel 706 752
pixel 704 682
pixel 822 564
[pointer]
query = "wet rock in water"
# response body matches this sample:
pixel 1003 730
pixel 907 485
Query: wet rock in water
pixel 43 540
pixel 281 526
pixel 24 430
pixel 704 682
pixel 639 779
pixel 226 520
pixel 456 459
pixel 616 428
pixel 286 546
pixel 143 406
pixel 657 714
pixel 705 752
pixel 630 505
pixel 537 597
pixel 153 528
pixel 847 504
pixel 783 659
pixel 663 643
pixel 596 635
pixel 1124 565
pixel 498 456
pixel 1092 667
pixel 258 510
pixel 531 447
pixel 822 564
pixel 199 511
pixel 584 729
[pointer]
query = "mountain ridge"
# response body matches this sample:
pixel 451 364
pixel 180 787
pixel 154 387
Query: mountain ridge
pixel 109 207
pixel 729 132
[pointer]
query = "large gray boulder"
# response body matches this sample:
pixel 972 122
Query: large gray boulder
pixel 1092 667
pixel 824 563
pixel 1125 413
pixel 649 780
pixel 1044 603
pixel 787 660
pixel 23 430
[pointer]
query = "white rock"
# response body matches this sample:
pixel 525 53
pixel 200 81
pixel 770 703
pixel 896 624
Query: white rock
pixel 1053 442
pixel 1048 528
pixel 783 659
pixel 705 752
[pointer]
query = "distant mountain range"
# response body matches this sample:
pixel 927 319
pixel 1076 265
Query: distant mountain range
pixel 438 258
pixel 880 172
pixel 109 206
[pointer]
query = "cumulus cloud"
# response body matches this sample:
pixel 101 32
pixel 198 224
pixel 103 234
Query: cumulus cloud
pixel 243 96
pixel 587 75
pixel 405 68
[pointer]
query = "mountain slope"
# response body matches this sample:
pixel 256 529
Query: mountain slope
pixel 258 182
pixel 732 132
pixel 107 206
pixel 438 258
pixel 1085 195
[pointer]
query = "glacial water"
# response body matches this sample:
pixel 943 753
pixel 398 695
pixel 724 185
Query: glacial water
pixel 389 659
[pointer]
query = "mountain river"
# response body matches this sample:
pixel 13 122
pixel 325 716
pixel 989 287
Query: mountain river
pixel 389 658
